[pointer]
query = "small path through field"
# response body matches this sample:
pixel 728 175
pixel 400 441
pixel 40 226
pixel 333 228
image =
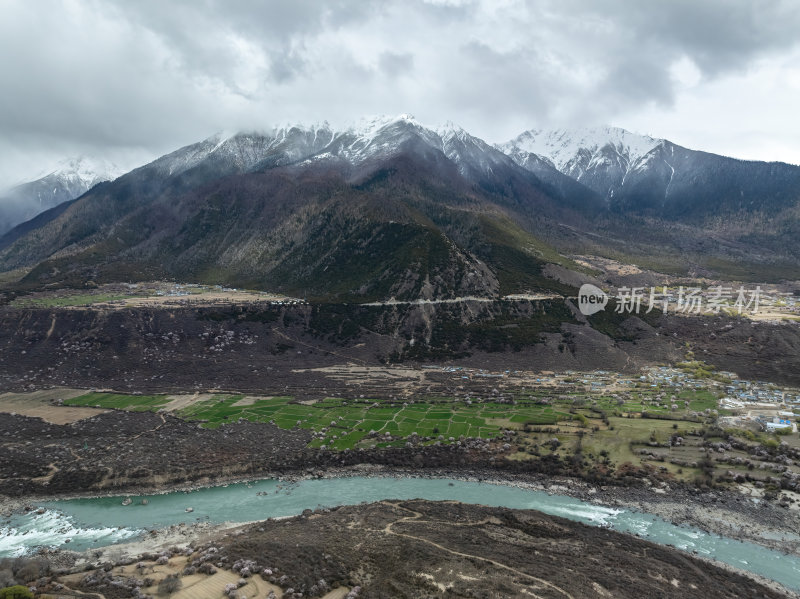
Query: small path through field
pixel 152 430
pixel 52 327
pixel 47 477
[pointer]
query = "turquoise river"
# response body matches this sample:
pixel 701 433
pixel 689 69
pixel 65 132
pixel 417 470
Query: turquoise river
pixel 79 524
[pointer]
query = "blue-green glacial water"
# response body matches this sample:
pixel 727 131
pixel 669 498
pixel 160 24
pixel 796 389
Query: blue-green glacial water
pixel 91 523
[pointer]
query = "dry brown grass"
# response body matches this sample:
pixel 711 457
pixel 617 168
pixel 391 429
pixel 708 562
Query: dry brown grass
pixel 37 405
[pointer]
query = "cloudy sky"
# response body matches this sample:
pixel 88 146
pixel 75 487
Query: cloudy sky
pixel 129 80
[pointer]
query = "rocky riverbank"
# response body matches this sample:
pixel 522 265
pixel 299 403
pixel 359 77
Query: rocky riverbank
pixel 727 512
pixel 435 538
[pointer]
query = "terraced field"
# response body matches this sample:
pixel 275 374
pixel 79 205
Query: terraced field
pixel 349 423
pixel 346 423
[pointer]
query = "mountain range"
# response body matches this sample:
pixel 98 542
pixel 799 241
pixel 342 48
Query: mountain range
pixel 637 173
pixel 391 208
pixel 71 178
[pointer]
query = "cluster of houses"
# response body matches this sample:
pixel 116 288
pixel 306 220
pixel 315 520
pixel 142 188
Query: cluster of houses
pixel 780 422
pixel 790 301
pixel 767 419
pixel 753 392
pixel 175 291
pixel 195 293
pixel 657 376
pixel 756 404
pixel 595 380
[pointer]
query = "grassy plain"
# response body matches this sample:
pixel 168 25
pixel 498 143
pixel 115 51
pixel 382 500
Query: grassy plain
pixel 132 403
pixel 601 429
pixel 347 423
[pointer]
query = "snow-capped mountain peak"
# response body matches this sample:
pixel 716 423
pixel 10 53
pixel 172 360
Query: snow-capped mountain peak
pixel 368 139
pixel 69 179
pixel 602 158
pixel 354 146
pixel 372 125
pixel 84 171
pixel 450 133
pixel 562 146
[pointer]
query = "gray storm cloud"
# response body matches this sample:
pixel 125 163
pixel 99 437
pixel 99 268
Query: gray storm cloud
pixel 130 80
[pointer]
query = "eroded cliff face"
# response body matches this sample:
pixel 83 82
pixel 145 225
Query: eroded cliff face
pixel 259 347
pixel 262 347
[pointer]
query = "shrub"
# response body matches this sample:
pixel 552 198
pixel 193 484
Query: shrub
pixel 16 592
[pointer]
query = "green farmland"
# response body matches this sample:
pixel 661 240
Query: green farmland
pixel 598 431
pixel 133 403
pixel 349 421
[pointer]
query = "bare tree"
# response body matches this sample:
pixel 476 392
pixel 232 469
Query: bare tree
pixel 169 585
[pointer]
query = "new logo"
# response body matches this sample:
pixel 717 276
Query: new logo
pixel 591 299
